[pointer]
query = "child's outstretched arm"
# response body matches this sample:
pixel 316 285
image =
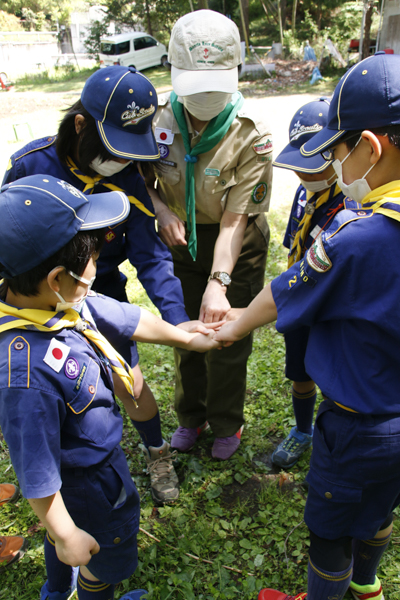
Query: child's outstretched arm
pixel 74 546
pixel 153 330
pixel 260 311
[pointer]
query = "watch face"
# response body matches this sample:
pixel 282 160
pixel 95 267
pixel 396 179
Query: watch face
pixel 224 277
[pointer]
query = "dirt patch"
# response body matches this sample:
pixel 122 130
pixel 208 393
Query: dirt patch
pixel 288 73
pixel 19 103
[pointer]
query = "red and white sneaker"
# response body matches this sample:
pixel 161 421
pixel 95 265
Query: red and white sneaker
pixel 223 448
pixel 269 594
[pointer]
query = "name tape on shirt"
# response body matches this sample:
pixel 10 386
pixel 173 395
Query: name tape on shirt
pixel 56 355
pixel 164 136
pixel 317 258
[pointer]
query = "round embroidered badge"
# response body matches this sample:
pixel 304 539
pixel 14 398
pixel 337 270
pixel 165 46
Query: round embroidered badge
pixel 259 192
pixel 164 150
pixel 71 368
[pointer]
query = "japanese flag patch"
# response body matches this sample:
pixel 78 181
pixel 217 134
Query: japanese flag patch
pixel 164 136
pixel 317 258
pixel 56 355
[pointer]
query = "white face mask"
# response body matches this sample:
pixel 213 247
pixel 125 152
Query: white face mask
pixel 206 105
pixel 107 167
pixel 318 186
pixel 358 189
pixel 62 305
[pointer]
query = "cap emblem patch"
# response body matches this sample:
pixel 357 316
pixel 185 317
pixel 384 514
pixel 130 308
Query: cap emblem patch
pixel 71 189
pixel 299 130
pixel 134 114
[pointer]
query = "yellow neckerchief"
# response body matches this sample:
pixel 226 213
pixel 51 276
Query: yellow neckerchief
pixel 90 183
pixel 385 200
pixel 49 321
pixel 296 252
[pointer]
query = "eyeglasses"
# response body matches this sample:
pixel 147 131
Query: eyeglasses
pixel 329 154
pixel 88 282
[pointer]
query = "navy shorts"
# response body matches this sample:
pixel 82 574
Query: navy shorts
pixel 113 285
pixel 93 498
pixel 354 475
pixel 296 346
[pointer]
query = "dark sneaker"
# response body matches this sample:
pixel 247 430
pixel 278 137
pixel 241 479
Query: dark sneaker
pixel 289 451
pixel 163 479
pixel 11 549
pixel 269 594
pixel 223 448
pixel 8 493
pixel 185 438
pixel 373 591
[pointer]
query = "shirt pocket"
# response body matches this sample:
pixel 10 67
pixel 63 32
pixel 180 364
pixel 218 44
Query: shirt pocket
pixel 90 421
pixel 169 176
pixel 219 184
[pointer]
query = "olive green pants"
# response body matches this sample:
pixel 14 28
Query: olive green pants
pixel 212 387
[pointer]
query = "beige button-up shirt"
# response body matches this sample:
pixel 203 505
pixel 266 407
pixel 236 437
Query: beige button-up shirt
pixel 235 175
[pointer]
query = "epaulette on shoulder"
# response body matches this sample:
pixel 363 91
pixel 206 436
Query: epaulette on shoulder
pixel 34 146
pixel 260 123
pixel 163 98
pixel 344 217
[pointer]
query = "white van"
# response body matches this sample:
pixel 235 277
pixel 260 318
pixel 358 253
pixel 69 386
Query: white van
pixel 136 49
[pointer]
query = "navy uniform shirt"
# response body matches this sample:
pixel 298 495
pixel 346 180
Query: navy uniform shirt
pixel 135 238
pixel 347 289
pixel 320 220
pixel 57 405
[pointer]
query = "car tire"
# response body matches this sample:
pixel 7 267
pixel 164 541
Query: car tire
pixel 164 61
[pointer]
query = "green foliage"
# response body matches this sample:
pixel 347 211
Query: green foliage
pixel 9 22
pixel 97 30
pixel 58 74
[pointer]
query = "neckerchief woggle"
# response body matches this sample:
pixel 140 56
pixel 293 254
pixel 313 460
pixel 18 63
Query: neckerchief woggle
pixel 91 182
pixel 297 250
pixel 214 132
pixel 49 321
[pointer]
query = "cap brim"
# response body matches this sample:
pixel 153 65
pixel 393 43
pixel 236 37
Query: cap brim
pixel 186 83
pixel 290 158
pixel 321 141
pixel 106 210
pixel 125 144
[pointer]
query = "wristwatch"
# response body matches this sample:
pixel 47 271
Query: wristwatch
pixel 222 277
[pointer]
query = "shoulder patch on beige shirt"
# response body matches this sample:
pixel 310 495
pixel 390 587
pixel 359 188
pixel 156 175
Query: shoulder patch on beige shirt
pixel 263 145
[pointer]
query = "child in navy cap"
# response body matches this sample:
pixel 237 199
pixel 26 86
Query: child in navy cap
pixel 347 289
pixel 317 200
pixel 101 140
pixel 57 375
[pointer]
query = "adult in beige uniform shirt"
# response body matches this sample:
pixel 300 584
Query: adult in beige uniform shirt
pixel 220 246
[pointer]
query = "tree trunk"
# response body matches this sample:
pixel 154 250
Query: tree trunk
pixel 294 10
pixel 283 13
pixel 149 28
pixel 203 4
pixel 367 30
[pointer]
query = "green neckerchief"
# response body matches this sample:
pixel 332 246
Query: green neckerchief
pixel 214 132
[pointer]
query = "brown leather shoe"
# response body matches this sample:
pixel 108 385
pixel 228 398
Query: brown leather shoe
pixel 8 493
pixel 11 549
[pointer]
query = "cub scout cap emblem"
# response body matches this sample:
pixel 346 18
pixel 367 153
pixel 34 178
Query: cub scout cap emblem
pixel 123 102
pixel 56 355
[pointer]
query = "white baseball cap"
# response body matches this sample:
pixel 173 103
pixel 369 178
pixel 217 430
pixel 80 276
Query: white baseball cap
pixel 204 52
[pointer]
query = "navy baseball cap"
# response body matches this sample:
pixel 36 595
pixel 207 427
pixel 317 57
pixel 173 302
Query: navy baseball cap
pixel 366 97
pixel 307 121
pixel 40 214
pixel 123 102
